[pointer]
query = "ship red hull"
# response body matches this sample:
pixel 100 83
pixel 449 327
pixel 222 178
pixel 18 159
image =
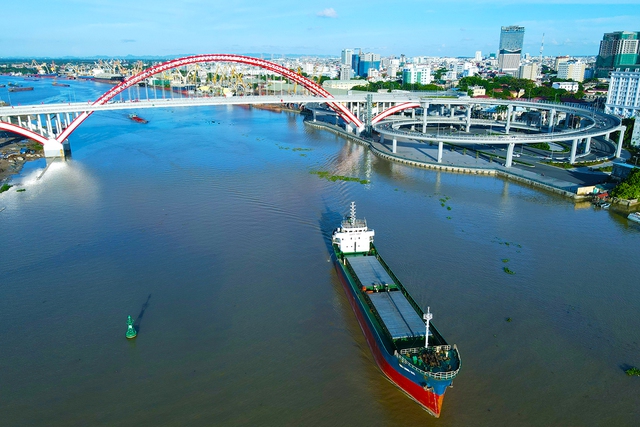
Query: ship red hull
pixel 430 401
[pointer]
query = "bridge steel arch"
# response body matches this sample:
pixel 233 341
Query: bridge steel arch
pixel 24 132
pixel 393 110
pixel 313 87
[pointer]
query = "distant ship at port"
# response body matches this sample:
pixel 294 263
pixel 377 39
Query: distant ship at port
pixel 110 78
pixel 18 88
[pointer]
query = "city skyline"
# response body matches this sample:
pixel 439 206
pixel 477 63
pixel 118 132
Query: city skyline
pixel 117 28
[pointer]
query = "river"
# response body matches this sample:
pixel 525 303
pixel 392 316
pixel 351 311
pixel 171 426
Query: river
pixel 208 227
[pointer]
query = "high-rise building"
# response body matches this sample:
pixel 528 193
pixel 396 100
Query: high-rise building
pixel 511 41
pixel 623 97
pixel 363 62
pixel 478 56
pixel 347 57
pixel 618 50
pixel 573 70
pixel 528 71
pixel 345 72
pixel 559 60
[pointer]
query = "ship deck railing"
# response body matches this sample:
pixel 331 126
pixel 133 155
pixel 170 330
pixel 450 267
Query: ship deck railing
pixel 415 350
pixel 437 375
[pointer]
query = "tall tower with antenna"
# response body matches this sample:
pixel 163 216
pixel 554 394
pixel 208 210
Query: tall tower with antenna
pixel 541 47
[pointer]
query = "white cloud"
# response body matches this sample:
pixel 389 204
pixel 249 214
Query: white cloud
pixel 328 13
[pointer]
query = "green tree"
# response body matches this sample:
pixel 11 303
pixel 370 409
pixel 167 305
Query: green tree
pixel 629 188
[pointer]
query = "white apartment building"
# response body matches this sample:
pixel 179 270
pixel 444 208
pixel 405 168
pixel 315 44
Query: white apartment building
pixel 478 91
pixel 416 74
pixel 568 86
pixel 623 98
pixel 466 69
pixel 343 84
pixel 573 70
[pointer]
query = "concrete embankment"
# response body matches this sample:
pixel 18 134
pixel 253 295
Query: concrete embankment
pixel 418 158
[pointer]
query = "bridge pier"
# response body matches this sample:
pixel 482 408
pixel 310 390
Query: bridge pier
pixel 394 145
pixel 508 125
pixel 425 110
pixel 620 138
pixel 587 145
pixel 574 148
pixel 53 148
pixel 552 117
pixel 468 125
pixel 509 161
pixel 440 145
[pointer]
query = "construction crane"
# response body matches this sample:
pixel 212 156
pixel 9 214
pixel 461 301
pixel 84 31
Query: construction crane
pixel 295 84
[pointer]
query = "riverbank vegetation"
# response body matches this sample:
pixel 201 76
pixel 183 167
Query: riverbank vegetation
pixel 392 85
pixel 334 178
pixel 629 188
pixel 505 87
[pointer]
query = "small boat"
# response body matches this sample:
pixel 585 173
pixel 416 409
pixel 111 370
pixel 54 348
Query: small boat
pixel 606 206
pixel 634 216
pixel 137 119
pixel 59 84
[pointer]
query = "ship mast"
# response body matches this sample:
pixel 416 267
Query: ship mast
pixel 352 218
pixel 427 318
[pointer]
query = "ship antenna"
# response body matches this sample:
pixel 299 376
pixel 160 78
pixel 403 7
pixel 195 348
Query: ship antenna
pixel 352 219
pixel 427 318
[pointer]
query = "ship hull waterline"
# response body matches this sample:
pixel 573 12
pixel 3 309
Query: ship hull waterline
pixel 429 401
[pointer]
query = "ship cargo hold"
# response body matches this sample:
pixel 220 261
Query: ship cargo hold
pixel 406 346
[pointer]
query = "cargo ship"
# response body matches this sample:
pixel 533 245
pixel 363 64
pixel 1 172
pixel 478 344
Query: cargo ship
pixel 137 119
pixel 406 346
pixel 20 88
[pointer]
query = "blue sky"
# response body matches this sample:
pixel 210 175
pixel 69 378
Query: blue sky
pixel 444 28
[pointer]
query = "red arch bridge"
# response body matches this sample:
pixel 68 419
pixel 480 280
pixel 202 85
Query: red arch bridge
pixel 52 124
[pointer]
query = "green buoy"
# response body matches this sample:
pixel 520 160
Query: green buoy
pixel 131 331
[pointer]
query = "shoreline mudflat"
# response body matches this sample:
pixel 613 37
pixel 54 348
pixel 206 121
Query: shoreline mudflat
pixel 11 161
